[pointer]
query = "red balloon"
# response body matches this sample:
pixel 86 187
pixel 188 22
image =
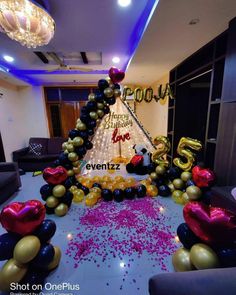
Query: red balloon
pixel 203 177
pixel 55 175
pixel 22 218
pixel 116 75
pixel 214 226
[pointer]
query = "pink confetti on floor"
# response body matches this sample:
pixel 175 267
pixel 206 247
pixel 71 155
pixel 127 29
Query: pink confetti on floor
pixel 110 230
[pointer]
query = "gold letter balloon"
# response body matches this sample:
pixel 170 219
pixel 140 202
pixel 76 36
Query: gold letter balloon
pixel 184 150
pixel 158 157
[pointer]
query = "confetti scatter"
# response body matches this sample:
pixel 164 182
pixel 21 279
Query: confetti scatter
pixel 113 230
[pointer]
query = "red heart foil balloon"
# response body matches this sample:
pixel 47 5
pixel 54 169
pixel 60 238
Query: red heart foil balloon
pixel 214 226
pixel 55 175
pixel 22 218
pixel 116 75
pixel 203 177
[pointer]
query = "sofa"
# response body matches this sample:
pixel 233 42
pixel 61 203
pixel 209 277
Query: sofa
pixel 221 281
pixel 50 149
pixel 9 180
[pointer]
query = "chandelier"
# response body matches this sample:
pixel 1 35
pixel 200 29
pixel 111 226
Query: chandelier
pixel 26 22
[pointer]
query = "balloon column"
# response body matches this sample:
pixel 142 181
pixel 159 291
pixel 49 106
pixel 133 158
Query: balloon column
pixel 208 238
pixel 26 245
pixel 61 178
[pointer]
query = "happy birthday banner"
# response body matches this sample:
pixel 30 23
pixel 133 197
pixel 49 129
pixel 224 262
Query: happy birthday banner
pixel 147 94
pixel 114 120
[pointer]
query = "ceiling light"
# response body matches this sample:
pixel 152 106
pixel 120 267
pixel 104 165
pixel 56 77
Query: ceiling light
pixel 116 59
pixel 26 22
pixel 124 3
pixel 8 58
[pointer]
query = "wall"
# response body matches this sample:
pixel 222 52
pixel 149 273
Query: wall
pixel 22 115
pixel 154 115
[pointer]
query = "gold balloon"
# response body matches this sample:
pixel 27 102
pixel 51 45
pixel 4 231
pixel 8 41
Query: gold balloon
pixel 93 115
pixel 100 105
pixel 11 272
pixel 185 176
pixel 76 170
pixel 95 190
pixel 91 199
pixel 158 157
pixel 75 164
pixel 73 157
pixel 177 197
pixel 183 149
pixel 64 146
pixel 108 92
pixel 100 113
pixel 59 191
pixel 26 249
pixel 152 190
pixel 61 210
pixel 78 196
pixel 193 192
pixel 185 198
pixel 81 126
pixel 171 187
pixel 70 172
pixel 203 257
pixel 138 94
pixel 181 260
pixel 178 183
pixel 70 147
pixel 78 141
pixel 56 259
pixel 117 93
pixel 119 178
pixel 52 202
pixel 73 188
pixel 153 175
pixel 130 181
pixel 92 97
pixel 160 170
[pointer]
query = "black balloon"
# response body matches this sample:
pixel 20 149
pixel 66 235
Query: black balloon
pixel 118 195
pixel 91 106
pixel 173 173
pixel 79 185
pixel 186 236
pixel 85 118
pixel 97 185
pixel 88 145
pixel 67 198
pixel 189 183
pixel 44 256
pixel 111 100
pixel 159 182
pixel 92 124
pixel 49 211
pixel 106 109
pixel 227 257
pixel 164 190
pixel 73 133
pixel 85 189
pixel 7 245
pixel 46 230
pixel 84 110
pixel 116 86
pixel 99 97
pixel 103 84
pixel 151 167
pixel 46 191
pixel 63 159
pixel 107 195
pixel 130 193
pixel 81 150
pixel 90 132
pixel 141 191
pixel 83 134
pixel 69 182
pixel 56 163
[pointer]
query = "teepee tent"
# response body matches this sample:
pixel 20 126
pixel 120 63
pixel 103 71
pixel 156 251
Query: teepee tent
pixel 116 136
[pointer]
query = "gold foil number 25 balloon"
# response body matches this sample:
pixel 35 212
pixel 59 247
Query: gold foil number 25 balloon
pixel 183 149
pixel 158 156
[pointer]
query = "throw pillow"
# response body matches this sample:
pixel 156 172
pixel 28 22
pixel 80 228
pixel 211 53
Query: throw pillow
pixel 35 149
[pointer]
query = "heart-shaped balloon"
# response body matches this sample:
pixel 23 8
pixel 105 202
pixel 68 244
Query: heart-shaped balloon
pixel 55 175
pixel 22 218
pixel 213 225
pixel 116 75
pixel 203 177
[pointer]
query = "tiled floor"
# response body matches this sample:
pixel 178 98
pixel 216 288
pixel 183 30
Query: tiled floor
pixel 107 270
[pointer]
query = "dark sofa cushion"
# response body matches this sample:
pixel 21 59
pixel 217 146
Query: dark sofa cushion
pixel 43 158
pixel 42 141
pixel 6 178
pixel 55 145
